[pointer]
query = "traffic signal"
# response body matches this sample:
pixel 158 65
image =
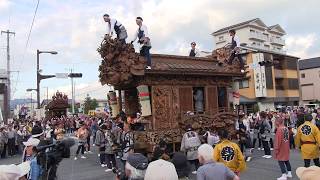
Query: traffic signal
pixel 75 75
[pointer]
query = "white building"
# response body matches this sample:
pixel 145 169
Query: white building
pixel 255 34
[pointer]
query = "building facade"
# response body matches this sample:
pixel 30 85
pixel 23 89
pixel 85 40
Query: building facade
pixel 266 86
pixel 309 74
pixel 269 86
pixel 253 34
pixel 4 101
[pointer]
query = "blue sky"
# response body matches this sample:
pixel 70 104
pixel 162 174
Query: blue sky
pixel 75 28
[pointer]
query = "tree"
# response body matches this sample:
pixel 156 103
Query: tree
pixel 89 104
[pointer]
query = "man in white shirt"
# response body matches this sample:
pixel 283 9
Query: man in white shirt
pixel 194 52
pixel 117 27
pixel 235 46
pixel 143 40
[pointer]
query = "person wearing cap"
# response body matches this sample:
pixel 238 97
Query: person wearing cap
pixel 29 145
pixel 114 26
pixel 282 149
pixel 235 49
pixel 310 173
pixel 144 41
pixel 100 142
pixel 229 153
pixel 35 168
pixel 135 167
pixel 81 134
pixel 211 170
pixel 194 52
pixel 180 162
pixel 308 138
pixel 14 172
pixel 189 144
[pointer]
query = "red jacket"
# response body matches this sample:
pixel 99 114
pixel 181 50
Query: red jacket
pixel 282 144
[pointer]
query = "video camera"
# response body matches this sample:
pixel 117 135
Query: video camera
pixel 49 156
pixel 119 173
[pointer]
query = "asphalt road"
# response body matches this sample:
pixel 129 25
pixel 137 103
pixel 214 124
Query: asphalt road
pixel 89 169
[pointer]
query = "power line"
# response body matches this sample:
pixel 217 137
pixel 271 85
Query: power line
pixel 28 39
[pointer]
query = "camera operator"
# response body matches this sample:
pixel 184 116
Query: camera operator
pixel 36 139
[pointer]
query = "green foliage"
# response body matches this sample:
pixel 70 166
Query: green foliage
pixel 89 104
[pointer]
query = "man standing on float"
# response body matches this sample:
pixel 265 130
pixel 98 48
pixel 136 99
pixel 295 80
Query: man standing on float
pixel 117 27
pixel 143 40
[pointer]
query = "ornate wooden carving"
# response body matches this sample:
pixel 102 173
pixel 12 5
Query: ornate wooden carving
pixel 58 106
pixel 147 139
pixel 222 55
pixel 161 105
pixel 153 80
pixel 225 120
pixel 120 62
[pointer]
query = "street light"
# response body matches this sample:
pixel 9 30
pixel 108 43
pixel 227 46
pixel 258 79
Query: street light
pixel 39 75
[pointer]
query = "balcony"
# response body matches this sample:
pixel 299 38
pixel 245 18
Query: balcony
pixel 257 36
pixel 277 41
pixel 280 93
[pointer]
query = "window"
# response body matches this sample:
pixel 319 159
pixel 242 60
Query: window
pixel 252 31
pixel 293 83
pixel 221 38
pixel 303 75
pixel 269 77
pixel 291 63
pixel 222 97
pixel 244 84
pixel 198 99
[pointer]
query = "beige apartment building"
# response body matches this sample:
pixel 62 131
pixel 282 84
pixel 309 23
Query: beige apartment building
pixel 254 34
pixel 309 75
pixel 265 87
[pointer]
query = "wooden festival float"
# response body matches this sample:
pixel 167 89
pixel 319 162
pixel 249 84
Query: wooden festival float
pixel 177 91
pixel 58 106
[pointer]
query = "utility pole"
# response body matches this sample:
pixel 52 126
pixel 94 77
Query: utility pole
pixel 72 92
pixel 8 70
pixel 73 89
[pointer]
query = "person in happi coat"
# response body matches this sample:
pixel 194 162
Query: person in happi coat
pixel 308 138
pixel 282 148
